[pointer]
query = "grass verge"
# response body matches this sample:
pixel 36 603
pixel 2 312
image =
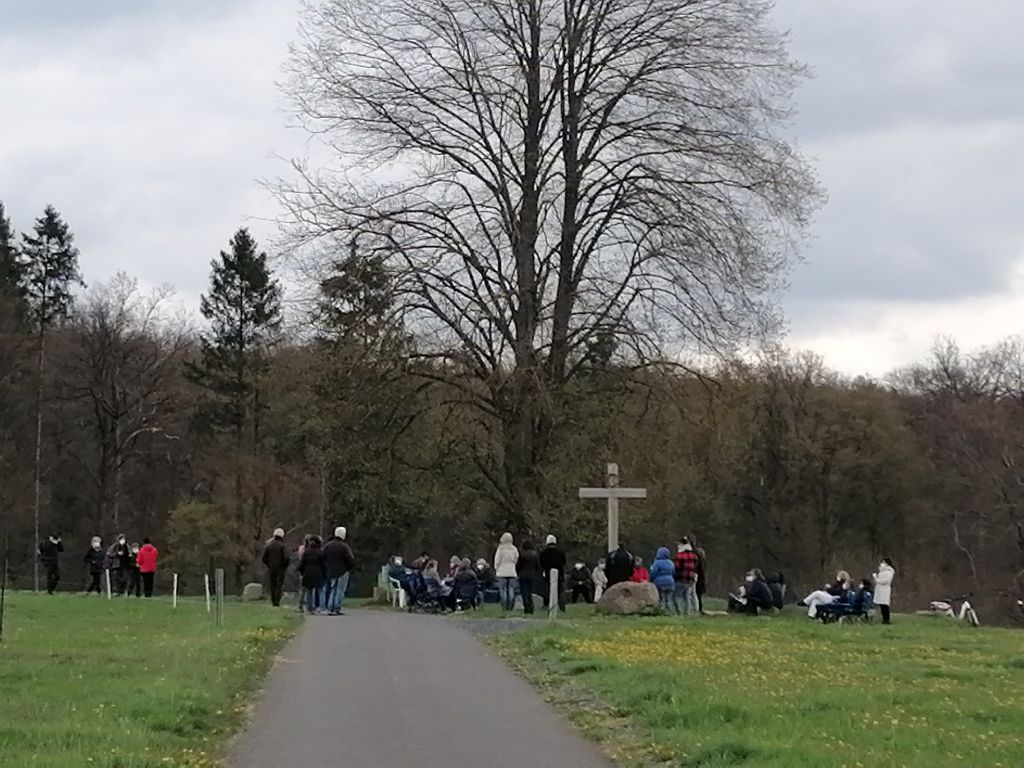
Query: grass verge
pixel 783 692
pixel 128 683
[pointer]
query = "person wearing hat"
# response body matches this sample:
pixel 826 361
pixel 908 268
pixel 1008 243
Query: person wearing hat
pixel 275 557
pixel 553 559
pixel 340 564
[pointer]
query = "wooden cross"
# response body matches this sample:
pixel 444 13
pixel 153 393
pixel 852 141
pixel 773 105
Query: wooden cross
pixel 612 492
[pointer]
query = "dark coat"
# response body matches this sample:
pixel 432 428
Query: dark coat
pixel 313 567
pixel 618 567
pixel 528 566
pixel 552 558
pixel 759 593
pixel 95 559
pixel 339 557
pixel 465 585
pixel 119 556
pixel 580 577
pixel 49 552
pixel 275 556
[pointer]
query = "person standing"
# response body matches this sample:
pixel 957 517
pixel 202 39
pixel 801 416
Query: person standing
pixel 94 561
pixel 506 558
pixel 883 588
pixel 702 573
pixel 49 555
pixel 340 564
pixel 528 571
pixel 553 559
pixel 663 576
pixel 118 557
pixel 600 579
pixel 640 574
pixel 686 563
pixel 276 559
pixel 134 577
pixel 313 568
pixel 146 560
pixel 619 566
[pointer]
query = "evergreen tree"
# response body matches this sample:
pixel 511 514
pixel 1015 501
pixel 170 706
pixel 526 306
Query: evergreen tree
pixel 50 263
pixel 243 308
pixel 12 271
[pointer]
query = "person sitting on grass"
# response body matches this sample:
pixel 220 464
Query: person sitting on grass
pixel 663 576
pixel 827 595
pixel 580 584
pixel 640 574
pixel 753 596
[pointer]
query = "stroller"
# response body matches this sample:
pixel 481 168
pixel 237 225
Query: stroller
pixel 421 597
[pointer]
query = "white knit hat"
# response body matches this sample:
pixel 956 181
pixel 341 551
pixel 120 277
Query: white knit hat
pixel 279 533
pixel 551 539
pixel 341 532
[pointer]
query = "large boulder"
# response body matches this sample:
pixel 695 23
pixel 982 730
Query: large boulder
pixel 627 599
pixel 252 593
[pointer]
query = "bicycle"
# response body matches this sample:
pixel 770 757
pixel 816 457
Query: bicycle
pixel 948 608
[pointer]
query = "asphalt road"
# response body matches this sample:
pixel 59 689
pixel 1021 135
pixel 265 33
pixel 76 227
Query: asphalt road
pixel 379 689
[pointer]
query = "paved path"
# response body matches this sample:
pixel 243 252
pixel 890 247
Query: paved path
pixel 378 689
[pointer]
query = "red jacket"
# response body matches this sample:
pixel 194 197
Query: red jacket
pixel 640 575
pixel 146 559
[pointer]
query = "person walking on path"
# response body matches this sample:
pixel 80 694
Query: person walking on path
pixel 49 555
pixel 340 564
pixel 146 560
pixel 619 566
pixel 118 559
pixel 313 568
pixel 600 579
pixel 94 560
pixel 883 588
pixel 506 558
pixel 686 563
pixel 528 570
pixel 276 559
pixel 663 576
pixel 553 559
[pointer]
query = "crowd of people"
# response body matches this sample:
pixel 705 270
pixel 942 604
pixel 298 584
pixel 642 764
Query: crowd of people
pixel 524 572
pixel 131 567
pixel 324 567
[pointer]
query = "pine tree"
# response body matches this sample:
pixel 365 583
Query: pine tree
pixel 50 263
pixel 243 308
pixel 12 270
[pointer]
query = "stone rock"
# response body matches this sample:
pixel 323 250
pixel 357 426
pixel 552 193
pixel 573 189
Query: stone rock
pixel 252 592
pixel 628 599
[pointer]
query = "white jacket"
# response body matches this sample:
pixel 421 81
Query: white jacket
pixel 883 585
pixel 599 577
pixel 505 560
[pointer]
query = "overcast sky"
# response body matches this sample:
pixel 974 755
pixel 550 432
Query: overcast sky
pixel 149 123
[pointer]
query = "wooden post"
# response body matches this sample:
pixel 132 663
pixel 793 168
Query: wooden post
pixel 174 593
pixel 218 580
pixel 109 593
pixel 206 584
pixel 554 588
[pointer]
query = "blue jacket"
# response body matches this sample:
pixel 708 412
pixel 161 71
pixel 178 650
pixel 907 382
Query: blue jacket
pixel 663 570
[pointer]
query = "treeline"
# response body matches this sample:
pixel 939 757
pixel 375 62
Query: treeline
pixel 207 440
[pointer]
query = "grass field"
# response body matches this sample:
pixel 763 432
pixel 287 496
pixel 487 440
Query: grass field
pixel 127 683
pixel 783 692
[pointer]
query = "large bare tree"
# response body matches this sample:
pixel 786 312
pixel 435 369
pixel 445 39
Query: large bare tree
pixel 546 175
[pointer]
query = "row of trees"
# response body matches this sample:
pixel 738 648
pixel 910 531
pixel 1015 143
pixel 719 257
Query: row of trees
pixel 208 440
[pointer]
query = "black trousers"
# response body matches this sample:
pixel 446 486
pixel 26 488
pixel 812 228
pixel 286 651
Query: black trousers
pixel 119 578
pixel 276 587
pixel 135 583
pixel 52 577
pixel 526 590
pixel 147 584
pixel 547 594
pixel 886 615
pixel 94 584
pixel 584 592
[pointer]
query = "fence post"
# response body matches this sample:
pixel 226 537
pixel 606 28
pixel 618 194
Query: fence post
pixel 174 593
pixel 554 587
pixel 219 589
pixel 206 584
pixel 109 595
